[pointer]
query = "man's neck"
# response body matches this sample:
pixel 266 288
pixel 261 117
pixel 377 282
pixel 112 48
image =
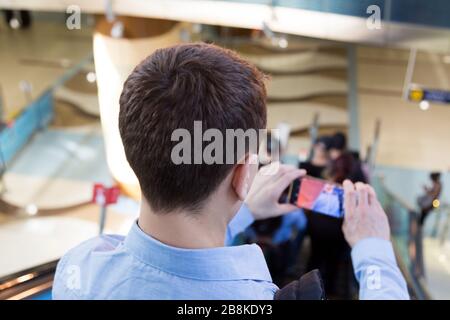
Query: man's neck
pixel 182 229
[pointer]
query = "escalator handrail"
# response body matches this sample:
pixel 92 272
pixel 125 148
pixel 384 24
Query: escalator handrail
pixel 415 280
pixel 23 284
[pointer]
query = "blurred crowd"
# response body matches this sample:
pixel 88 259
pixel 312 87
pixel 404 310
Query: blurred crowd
pixel 282 238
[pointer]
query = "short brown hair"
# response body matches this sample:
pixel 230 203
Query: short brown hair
pixel 171 89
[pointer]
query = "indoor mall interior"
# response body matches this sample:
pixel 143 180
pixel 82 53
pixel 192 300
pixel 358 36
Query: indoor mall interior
pixel 373 72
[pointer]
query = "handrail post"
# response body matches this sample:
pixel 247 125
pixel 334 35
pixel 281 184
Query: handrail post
pixel 445 229
pixel 415 234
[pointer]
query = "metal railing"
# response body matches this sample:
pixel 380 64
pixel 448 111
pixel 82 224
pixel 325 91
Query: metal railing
pixel 406 235
pixel 28 283
pixel 441 227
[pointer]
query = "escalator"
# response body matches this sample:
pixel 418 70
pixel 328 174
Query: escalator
pixel 406 237
pixel 34 283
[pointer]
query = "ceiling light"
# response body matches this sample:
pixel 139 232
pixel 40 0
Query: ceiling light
pixel 31 209
pixel 91 77
pixel 424 105
pixel 283 43
pixel 14 23
pixel 117 29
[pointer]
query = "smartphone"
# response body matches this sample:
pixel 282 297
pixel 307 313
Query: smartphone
pixel 317 195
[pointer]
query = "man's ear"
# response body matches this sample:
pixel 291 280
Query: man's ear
pixel 243 175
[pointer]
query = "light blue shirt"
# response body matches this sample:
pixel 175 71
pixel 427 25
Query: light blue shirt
pixel 140 267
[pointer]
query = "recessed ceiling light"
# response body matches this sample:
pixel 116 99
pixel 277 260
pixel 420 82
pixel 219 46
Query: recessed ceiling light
pixel 117 29
pixel 14 23
pixel 91 77
pixel 283 43
pixel 424 105
pixel 31 209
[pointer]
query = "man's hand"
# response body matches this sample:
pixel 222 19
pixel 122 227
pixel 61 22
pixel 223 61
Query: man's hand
pixel 267 187
pixel 364 217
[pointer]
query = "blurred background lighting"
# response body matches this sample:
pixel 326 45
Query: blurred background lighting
pixel 91 77
pixel 14 23
pixel 436 203
pixel 31 209
pixel 424 105
pixel 283 43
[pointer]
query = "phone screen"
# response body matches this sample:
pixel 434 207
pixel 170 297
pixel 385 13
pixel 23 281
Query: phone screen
pixel 317 195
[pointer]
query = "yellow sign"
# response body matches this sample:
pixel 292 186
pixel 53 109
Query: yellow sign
pixel 416 94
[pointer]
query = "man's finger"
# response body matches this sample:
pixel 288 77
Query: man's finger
pixel 372 195
pixel 363 194
pixel 285 168
pixel 374 200
pixel 285 180
pixel 275 170
pixel 284 208
pixel 349 198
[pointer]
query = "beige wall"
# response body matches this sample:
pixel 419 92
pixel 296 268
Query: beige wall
pixel 410 137
pixel 309 79
pixel 40 56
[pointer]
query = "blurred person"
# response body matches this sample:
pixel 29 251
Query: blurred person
pixel 353 169
pixel 432 193
pixel 316 167
pixel 338 145
pixel 330 252
pixel 320 157
pixel 341 168
pixel 279 237
pixel 175 250
pixel 360 169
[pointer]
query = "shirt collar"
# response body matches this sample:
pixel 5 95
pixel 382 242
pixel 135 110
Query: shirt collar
pixel 245 262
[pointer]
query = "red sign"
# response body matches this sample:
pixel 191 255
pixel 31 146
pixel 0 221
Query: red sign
pixel 104 196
